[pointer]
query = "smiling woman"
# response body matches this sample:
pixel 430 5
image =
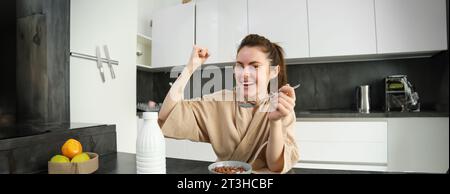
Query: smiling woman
pixel 263 139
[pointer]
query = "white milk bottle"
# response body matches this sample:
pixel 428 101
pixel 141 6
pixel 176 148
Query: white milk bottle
pixel 150 146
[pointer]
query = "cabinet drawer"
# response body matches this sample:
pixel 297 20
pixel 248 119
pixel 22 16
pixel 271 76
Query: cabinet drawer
pixel 343 152
pixel 342 142
pixel 342 131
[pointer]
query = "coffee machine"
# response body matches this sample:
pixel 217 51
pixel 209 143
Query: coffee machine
pixel 400 95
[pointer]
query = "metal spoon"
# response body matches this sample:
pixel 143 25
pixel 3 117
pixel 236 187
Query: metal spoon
pixel 271 95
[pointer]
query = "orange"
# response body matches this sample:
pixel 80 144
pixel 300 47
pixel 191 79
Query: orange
pixel 71 148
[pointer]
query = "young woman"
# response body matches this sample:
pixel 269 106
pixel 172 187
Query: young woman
pixel 264 139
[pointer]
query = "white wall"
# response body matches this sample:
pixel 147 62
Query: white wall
pixel 99 22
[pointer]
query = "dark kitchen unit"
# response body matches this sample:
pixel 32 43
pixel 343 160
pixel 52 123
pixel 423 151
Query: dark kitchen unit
pixel 34 88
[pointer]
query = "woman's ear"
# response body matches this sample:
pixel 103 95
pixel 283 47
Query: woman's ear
pixel 273 73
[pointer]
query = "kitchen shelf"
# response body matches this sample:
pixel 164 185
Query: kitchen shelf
pixel 144 68
pixel 143 51
pixel 147 68
pixel 145 36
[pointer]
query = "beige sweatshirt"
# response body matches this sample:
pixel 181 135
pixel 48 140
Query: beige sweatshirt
pixel 235 133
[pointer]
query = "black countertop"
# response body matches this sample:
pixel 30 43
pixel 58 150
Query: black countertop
pixel 355 114
pixel 27 148
pixel 124 163
pixel 374 114
pixel 26 130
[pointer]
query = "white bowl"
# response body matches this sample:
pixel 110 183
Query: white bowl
pixel 246 166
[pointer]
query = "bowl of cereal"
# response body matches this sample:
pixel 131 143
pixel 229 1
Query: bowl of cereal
pixel 230 167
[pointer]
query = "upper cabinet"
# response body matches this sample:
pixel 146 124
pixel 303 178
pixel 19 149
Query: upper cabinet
pixel 339 28
pixel 308 30
pixel 173 35
pixel 411 25
pixel 288 27
pixel 220 26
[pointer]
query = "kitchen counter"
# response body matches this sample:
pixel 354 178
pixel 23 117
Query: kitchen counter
pixel 124 163
pixel 27 148
pixel 353 114
pixel 27 130
pixel 374 114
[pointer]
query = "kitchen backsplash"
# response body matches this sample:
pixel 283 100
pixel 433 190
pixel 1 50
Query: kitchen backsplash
pixel 332 86
pixel 152 86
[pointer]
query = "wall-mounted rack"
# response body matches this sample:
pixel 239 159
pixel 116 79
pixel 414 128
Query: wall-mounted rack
pixel 92 58
pixel 99 61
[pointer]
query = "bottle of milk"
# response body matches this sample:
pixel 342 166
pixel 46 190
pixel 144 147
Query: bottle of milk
pixel 150 146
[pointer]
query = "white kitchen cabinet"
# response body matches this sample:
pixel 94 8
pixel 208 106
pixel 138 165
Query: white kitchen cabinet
pixel 339 143
pixel 185 149
pixel 418 145
pixel 98 23
pixel 340 28
pixel 145 8
pixel 173 35
pixel 411 25
pixel 220 26
pixel 288 27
